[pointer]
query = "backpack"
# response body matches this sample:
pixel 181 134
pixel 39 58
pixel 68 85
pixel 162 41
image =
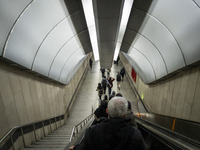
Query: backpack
pixel 104 83
pixel 118 77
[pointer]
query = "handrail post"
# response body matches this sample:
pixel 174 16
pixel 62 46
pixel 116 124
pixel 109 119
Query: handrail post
pixel 43 128
pixel 60 122
pixel 34 132
pixel 50 125
pixel 23 137
pixel 12 141
pixel 56 123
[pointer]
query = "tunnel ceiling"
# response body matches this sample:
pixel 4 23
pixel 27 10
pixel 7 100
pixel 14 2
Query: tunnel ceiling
pixel 51 37
pixel 162 37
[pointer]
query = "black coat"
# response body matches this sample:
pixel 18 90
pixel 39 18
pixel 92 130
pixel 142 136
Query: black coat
pixel 112 134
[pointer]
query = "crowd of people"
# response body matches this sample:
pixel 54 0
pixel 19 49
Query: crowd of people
pixel 114 127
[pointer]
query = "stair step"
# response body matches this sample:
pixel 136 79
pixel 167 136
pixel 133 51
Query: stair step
pixel 58 135
pixel 64 136
pixel 46 146
pixel 56 140
pixel 52 137
pixel 42 148
pixel 51 143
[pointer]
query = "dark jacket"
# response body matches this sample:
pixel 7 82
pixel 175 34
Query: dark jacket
pixel 112 134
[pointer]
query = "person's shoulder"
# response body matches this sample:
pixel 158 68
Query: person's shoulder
pixel 136 134
pixel 97 127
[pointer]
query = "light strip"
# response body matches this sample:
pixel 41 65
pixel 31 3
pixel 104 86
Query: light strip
pixel 89 15
pixel 125 16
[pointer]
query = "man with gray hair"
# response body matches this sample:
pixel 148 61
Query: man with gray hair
pixel 113 133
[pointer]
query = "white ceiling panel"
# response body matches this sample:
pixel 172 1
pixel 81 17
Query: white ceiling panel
pixel 164 41
pixel 72 47
pixel 146 48
pixel 52 44
pixel 32 27
pixel 71 67
pixel 182 18
pixel 9 12
pixel 141 65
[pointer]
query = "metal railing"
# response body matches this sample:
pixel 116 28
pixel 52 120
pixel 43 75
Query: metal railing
pixel 76 129
pixel 19 131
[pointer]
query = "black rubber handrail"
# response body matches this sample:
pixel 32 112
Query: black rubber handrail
pixel 172 138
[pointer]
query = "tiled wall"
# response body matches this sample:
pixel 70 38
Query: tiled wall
pixel 25 98
pixel 178 96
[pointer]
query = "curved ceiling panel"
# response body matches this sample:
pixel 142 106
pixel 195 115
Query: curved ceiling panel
pixel 146 48
pixel 156 32
pixel 197 2
pixel 72 47
pixel 8 15
pixel 141 65
pixel 32 27
pixel 55 40
pixel 71 68
pixel 183 19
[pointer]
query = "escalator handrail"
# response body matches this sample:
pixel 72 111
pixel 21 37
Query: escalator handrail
pixel 163 131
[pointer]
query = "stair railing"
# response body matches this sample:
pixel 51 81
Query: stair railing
pixel 79 126
pixel 19 131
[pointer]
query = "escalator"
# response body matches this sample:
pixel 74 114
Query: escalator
pixel 162 133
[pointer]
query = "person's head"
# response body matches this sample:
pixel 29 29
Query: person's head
pixel 118 95
pixel 104 105
pixel 117 107
pixel 113 93
pixel 105 97
pixel 99 84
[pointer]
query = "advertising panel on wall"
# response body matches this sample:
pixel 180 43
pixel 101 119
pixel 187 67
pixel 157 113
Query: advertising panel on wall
pixel 134 75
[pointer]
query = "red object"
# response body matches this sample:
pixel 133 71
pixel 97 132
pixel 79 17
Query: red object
pixel 134 75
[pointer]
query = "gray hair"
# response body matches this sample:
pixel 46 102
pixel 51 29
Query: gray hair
pixel 117 107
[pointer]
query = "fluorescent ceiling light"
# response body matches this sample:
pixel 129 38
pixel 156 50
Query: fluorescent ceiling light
pixel 89 15
pixel 125 16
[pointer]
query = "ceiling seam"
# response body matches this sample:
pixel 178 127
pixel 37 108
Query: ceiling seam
pixel 147 60
pixel 68 60
pixel 196 4
pixel 152 44
pixel 168 31
pixel 61 49
pixel 13 26
pixel 45 39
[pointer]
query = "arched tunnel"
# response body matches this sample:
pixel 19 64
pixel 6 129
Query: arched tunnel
pixel 46 81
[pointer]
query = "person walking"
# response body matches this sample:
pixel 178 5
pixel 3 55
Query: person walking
pixel 104 83
pixel 119 78
pixel 100 90
pixel 103 72
pixel 122 73
pixel 108 72
pixel 112 133
pixel 91 62
pixel 110 80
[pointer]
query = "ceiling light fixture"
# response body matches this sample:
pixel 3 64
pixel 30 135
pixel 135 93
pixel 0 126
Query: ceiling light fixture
pixel 89 15
pixel 125 16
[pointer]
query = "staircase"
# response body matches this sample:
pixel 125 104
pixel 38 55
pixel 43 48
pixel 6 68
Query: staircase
pixel 57 140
